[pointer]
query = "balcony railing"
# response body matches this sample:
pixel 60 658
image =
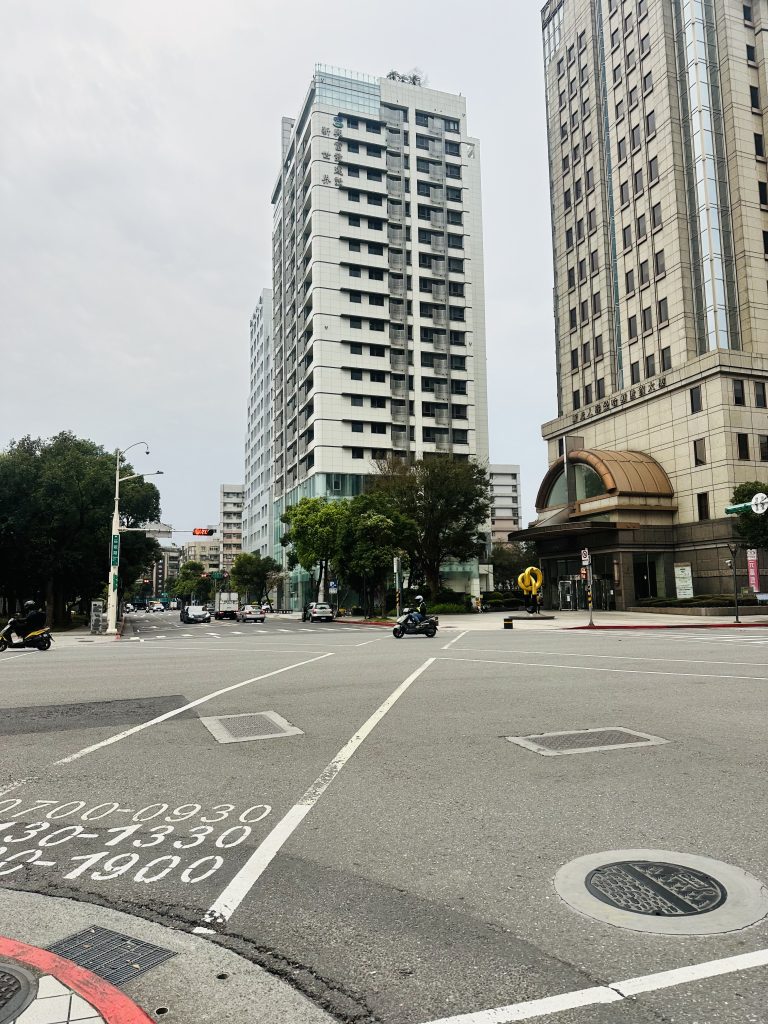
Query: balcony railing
pixel 397 311
pixel 442 417
pixel 396 261
pixel 440 368
pixel 399 363
pixel 437 174
pixel 399 414
pixel 396 333
pixel 443 445
pixel 399 387
pixel 440 342
pixel 395 212
pixel 438 244
pixel 439 316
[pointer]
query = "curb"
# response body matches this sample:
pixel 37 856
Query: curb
pixel 363 622
pixel 680 625
pixel 113 1005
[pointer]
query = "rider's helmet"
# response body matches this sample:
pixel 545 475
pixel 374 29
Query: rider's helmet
pixel 419 598
pixel 30 606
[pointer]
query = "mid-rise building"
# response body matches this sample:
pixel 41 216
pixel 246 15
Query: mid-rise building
pixel 206 551
pixel 378 288
pixel 505 491
pixel 659 192
pixel 230 524
pixel 166 569
pixel 258 507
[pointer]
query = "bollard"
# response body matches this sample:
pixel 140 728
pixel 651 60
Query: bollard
pixel 509 623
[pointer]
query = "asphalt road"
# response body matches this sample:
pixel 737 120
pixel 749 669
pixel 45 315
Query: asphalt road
pixel 392 853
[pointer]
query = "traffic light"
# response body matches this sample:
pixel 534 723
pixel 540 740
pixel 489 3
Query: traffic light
pixel 200 531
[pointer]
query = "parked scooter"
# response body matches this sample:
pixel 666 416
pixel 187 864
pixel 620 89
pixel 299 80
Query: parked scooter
pixel 41 639
pixel 408 626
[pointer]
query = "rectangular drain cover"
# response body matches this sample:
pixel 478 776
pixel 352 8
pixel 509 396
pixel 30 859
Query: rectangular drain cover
pixel 114 957
pixel 261 725
pixel 585 741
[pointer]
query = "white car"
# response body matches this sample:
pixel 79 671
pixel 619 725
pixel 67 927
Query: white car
pixel 320 613
pixel 158 607
pixel 195 613
pixel 249 613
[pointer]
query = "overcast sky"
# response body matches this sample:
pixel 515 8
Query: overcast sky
pixel 138 149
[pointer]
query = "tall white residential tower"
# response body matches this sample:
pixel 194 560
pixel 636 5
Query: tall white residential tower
pixel 257 496
pixel 379 306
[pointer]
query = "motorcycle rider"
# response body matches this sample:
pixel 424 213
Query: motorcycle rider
pixel 420 611
pixel 32 619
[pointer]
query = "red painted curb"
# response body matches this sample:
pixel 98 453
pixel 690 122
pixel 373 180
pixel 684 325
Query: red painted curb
pixel 113 1005
pixel 682 625
pixel 363 622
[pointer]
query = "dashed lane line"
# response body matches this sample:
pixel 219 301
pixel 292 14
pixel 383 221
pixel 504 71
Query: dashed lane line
pixel 230 899
pixel 616 991
pixel 513 652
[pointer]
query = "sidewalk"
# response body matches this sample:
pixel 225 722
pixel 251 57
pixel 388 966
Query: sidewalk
pixel 491 621
pixel 189 979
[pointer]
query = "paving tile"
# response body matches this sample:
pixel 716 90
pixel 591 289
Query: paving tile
pixel 54 1010
pixel 49 986
pixel 80 1010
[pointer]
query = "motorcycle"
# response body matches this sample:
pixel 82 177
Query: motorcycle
pixel 408 626
pixel 41 639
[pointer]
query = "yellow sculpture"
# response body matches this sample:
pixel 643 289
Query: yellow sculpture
pixel 531 580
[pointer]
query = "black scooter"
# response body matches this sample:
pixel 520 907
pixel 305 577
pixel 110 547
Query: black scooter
pixel 408 626
pixel 40 639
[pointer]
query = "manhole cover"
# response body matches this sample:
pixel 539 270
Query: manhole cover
pixel 653 887
pixel 257 725
pixel 585 741
pixel 112 956
pixel 662 891
pixel 17 990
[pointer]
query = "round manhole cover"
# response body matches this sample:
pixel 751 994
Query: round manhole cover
pixel 656 888
pixel 17 989
pixel 662 891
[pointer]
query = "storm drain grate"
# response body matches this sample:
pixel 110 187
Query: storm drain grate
pixel 584 741
pixel 260 725
pixel 114 957
pixel 17 990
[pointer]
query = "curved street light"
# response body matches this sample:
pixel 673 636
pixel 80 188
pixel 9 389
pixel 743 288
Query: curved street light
pixel 114 548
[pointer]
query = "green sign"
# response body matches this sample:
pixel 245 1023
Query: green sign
pixel 216 575
pixel 164 594
pixel 735 510
pixel 114 582
pixel 115 549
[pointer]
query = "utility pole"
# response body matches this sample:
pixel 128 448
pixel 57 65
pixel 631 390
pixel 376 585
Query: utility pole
pixel 733 549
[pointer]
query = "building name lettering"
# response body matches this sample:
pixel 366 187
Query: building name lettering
pixel 617 401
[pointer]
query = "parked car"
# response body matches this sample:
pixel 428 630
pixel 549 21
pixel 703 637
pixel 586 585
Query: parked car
pixel 320 613
pixel 195 613
pixel 249 613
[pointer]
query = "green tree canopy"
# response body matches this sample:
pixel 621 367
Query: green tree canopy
pixel 372 533
pixel 314 526
pixel 447 500
pixel 190 582
pixel 253 576
pixel 752 529
pixel 56 503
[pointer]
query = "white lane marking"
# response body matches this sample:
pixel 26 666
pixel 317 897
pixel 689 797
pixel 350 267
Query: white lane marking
pixel 364 643
pixel 285 631
pixel 185 707
pixel 457 637
pixel 695 972
pixel 234 894
pixel 218 635
pixel 605 657
pixel 616 991
pixel 599 668
pixel 13 657
pixel 236 632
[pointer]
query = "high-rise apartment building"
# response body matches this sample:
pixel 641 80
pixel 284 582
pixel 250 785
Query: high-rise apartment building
pixel 258 529
pixel 378 300
pixel 659 195
pixel 206 551
pixel 505 492
pixel 230 523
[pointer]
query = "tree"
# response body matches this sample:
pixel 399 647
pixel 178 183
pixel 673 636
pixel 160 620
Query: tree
pixel 56 503
pixel 509 560
pixel 314 525
pixel 751 528
pixel 254 575
pixel 447 500
pixel 371 535
pixel 192 581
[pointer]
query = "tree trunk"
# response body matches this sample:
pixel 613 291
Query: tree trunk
pixel 433 580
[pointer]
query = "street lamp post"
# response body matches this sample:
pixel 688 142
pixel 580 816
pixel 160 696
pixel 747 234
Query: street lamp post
pixel 114 546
